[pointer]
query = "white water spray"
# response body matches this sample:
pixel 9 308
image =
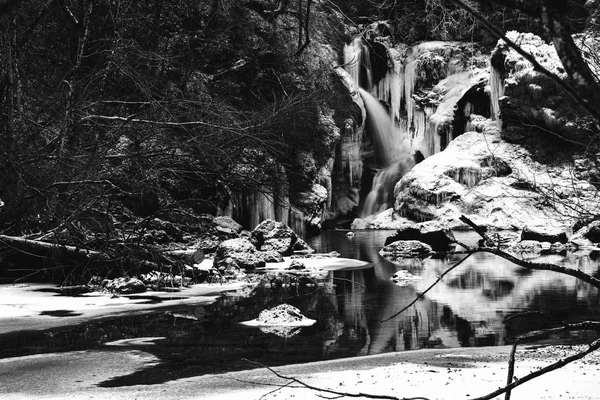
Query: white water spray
pixel 410 125
pixel 390 148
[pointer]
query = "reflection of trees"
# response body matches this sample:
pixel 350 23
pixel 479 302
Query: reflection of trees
pixel 487 289
pixel 366 308
pixel 467 308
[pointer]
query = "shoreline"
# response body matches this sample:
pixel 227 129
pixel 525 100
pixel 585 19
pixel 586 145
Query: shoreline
pixel 459 373
pixel 39 307
pixel 446 373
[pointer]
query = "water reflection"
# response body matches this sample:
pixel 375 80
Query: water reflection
pixel 467 308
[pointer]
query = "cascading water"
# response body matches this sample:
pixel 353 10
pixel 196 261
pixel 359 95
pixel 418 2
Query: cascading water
pixel 424 126
pixel 389 141
pixel 389 147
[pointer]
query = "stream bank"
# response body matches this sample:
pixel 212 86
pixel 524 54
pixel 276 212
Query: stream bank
pixel 433 374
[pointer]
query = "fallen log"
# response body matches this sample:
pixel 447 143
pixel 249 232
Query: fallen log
pixel 67 257
pixel 44 249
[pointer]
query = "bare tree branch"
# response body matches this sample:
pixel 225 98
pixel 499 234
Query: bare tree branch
pixel 420 295
pixel 529 264
pixel 342 394
pixel 146 121
pixel 587 325
pixel 595 345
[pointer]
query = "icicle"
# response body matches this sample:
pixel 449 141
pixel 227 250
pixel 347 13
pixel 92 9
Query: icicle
pixel 419 125
pixel 468 109
pixel 366 63
pixel 496 91
pixel 466 176
pixel 352 59
pixel 350 157
pixel 296 221
pixel 410 78
pixel 395 84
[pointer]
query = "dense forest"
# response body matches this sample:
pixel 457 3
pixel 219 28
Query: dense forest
pixel 127 124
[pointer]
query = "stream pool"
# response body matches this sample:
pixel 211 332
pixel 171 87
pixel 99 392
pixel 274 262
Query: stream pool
pixel 469 307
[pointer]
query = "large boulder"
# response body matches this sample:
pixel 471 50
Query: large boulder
pixel 527 248
pixel 593 232
pixel 226 225
pixel 433 234
pixel 590 232
pixel 495 183
pixel 544 233
pixel 406 249
pixel 280 315
pixel 273 235
pixel 586 236
pixel 240 253
pixel 231 246
pixel 521 92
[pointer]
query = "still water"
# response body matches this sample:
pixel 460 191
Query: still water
pixel 469 307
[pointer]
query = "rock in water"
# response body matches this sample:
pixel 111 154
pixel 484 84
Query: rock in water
pixel 527 248
pixel 545 233
pixel 406 249
pixel 433 234
pixel 296 265
pixel 282 314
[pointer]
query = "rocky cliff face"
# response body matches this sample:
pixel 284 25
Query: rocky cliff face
pixel 318 126
pixel 533 110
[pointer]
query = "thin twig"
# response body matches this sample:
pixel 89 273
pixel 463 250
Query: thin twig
pixel 595 345
pixel 420 295
pixel 586 325
pixel 575 96
pixel 342 394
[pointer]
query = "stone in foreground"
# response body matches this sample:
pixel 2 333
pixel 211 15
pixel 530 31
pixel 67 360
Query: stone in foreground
pixel 281 315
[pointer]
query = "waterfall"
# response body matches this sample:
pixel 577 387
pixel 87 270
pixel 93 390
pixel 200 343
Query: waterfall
pixel 389 146
pixel 382 189
pixel 380 127
pixel 421 118
pixel 387 136
pixel 352 59
pixel 357 62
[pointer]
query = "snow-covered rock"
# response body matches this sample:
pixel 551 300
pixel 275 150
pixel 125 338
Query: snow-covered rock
pixel 496 184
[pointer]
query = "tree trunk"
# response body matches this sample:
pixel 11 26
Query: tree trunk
pixel 45 249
